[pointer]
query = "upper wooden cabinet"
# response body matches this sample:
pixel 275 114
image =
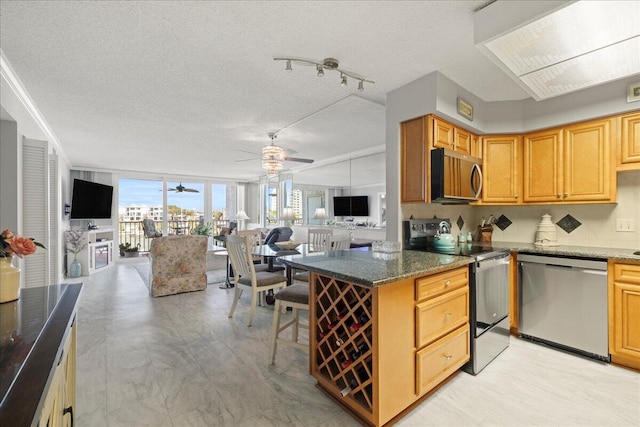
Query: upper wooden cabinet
pixel 629 155
pixel 414 161
pixel 445 135
pixel 502 169
pixel 572 164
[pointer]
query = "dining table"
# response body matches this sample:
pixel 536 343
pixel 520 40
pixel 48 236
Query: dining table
pixel 272 251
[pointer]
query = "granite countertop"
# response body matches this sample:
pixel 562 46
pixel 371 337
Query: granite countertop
pixel 375 268
pixel 578 251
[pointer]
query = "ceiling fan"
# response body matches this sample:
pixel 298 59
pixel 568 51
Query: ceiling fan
pixel 286 157
pixel 181 188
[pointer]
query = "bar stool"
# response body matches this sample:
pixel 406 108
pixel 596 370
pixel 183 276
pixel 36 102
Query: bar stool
pixel 296 297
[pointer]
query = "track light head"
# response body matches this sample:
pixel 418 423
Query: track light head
pixel 320 70
pixel 343 82
pixel 288 67
pixel 361 86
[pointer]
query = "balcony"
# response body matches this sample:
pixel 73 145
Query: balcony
pixel 131 231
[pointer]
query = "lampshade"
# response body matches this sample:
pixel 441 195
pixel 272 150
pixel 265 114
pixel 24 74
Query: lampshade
pixel 287 215
pixel 242 215
pixel 320 213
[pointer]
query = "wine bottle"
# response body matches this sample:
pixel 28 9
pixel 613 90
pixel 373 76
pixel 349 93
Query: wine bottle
pixel 346 363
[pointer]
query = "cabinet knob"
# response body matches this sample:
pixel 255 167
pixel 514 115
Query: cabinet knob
pixel 448 356
pixel 447 314
pixel 517 195
pixel 559 195
pixel 566 194
pixel 447 282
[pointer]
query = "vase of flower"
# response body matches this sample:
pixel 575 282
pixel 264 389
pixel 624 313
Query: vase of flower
pixel 12 245
pixel 75 269
pixel 9 280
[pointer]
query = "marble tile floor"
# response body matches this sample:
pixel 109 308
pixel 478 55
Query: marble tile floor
pixel 179 361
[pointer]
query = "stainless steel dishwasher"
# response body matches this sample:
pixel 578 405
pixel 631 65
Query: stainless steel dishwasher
pixel 563 303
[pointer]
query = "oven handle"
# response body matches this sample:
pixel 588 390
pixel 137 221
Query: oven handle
pixel 486 264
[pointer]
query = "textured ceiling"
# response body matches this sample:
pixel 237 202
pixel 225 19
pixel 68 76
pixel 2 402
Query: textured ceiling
pixel 186 88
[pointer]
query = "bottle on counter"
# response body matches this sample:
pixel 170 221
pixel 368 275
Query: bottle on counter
pixel 469 237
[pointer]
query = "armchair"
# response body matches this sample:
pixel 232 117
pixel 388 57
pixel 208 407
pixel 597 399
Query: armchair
pixel 149 228
pixel 178 264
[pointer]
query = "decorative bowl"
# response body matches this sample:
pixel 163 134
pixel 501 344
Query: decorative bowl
pixel 288 245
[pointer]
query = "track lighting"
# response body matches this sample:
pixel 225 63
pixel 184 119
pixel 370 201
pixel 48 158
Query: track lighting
pixel 325 64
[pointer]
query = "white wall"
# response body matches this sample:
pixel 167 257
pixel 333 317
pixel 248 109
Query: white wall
pixel 437 94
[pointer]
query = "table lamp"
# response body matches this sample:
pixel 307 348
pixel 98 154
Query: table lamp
pixel 287 215
pixel 241 216
pixel 320 214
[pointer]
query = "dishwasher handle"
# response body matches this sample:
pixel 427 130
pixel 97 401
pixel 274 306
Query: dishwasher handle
pixel 487 264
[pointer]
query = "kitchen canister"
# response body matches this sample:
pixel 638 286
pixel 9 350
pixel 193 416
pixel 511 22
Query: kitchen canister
pixel 546 232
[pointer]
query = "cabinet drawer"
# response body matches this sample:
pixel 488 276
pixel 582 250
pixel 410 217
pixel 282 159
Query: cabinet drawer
pixel 437 284
pixel 439 360
pixel 438 316
pixel 628 273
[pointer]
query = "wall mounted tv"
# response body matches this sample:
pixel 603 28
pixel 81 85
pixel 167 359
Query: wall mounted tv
pixel 351 206
pixel 91 200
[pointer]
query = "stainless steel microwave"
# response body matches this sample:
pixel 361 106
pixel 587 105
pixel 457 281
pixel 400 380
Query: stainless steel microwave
pixel 455 177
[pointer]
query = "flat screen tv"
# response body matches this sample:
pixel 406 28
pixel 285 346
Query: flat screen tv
pixel 360 206
pixel 351 206
pixel 91 200
pixel 341 206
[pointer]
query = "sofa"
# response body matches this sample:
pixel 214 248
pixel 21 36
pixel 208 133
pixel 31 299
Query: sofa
pixel 178 264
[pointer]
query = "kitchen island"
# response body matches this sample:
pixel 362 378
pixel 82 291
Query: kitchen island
pixel 385 328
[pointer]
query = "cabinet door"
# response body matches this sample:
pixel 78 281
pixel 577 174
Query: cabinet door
pixel 588 172
pixel 624 315
pixel 442 134
pixel 542 166
pixel 413 163
pixel 630 142
pixel 502 169
pixel 462 140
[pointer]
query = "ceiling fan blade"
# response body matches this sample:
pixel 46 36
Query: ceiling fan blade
pixel 248 152
pixel 170 189
pixel 246 160
pixel 296 159
pixel 190 190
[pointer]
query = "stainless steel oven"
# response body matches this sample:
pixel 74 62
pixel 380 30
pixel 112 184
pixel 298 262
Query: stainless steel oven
pixel 488 290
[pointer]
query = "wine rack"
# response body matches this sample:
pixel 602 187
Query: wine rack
pixel 343 334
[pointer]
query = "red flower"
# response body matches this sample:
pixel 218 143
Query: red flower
pixel 22 246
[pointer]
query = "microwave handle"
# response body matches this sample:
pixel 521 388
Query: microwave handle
pixel 476 168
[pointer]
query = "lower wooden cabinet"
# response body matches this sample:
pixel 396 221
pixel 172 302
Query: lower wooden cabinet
pixel 378 350
pixel 59 400
pixel 624 313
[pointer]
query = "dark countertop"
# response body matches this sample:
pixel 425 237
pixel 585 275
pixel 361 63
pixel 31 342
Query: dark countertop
pixel 375 268
pixel 577 251
pixel 33 327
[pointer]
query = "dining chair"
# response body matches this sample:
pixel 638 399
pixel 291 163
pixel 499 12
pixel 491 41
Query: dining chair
pixel 255 241
pixel 318 238
pixel 149 228
pixel 296 297
pixel 340 242
pixel 245 275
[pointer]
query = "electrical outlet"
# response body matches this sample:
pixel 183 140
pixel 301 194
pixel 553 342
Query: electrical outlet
pixel 624 225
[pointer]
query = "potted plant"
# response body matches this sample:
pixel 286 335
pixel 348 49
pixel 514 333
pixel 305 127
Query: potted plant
pixel 131 251
pixel 202 229
pixel 123 247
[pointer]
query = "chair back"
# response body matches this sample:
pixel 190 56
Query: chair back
pixel 320 239
pixel 278 234
pixel 149 228
pixel 239 250
pixel 255 240
pixel 340 242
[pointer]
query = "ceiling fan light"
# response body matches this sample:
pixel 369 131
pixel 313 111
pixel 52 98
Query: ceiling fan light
pixel 272 159
pixel 320 71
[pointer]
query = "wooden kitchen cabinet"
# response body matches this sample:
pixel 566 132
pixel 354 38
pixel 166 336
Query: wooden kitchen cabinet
pixel 445 135
pixel 412 335
pixel 629 152
pixel 414 161
pixel 572 164
pixel 624 313
pixel 502 169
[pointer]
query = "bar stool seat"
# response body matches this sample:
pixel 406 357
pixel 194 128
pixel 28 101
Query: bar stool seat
pixel 296 297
